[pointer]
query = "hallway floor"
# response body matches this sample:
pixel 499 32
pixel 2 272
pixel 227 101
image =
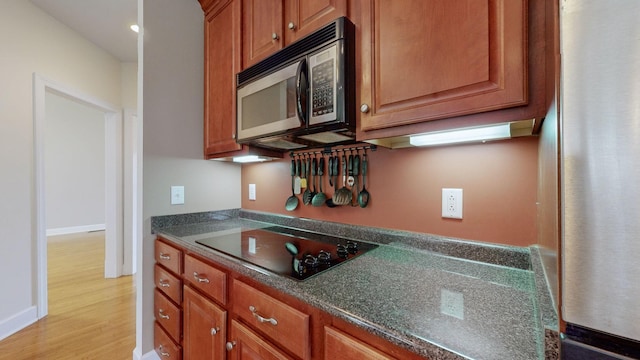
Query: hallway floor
pixel 90 317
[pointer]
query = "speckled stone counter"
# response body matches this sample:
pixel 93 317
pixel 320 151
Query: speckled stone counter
pixel 401 292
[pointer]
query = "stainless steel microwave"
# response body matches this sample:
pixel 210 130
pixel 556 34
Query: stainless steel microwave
pixel 303 95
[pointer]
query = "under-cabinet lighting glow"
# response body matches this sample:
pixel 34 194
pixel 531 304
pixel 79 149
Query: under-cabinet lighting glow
pixel 474 134
pixel 248 159
pixel 135 28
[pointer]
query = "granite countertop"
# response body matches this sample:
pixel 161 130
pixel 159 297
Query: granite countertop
pixel 405 295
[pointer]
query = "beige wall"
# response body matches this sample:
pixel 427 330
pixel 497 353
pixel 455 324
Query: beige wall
pixel 172 115
pixel 74 165
pixel 129 82
pixel 498 181
pixel 31 41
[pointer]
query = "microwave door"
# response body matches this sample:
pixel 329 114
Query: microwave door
pixel 268 106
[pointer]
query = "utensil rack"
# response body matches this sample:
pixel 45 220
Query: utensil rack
pixel 333 150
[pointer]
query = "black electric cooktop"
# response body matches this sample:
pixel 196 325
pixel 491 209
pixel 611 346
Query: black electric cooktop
pixel 293 253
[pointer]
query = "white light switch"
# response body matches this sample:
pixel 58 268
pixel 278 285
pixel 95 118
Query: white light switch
pixel 252 191
pixel 177 195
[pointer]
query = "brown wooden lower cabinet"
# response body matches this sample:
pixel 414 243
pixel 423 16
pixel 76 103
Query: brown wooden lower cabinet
pixel 251 321
pixel 205 327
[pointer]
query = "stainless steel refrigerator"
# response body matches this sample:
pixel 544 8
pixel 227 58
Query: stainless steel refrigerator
pixel 600 178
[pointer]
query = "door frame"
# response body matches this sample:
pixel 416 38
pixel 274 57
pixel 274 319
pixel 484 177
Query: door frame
pixel 113 182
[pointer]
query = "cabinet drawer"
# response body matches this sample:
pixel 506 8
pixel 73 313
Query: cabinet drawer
pixel 207 278
pixel 168 315
pixel 340 345
pixel 279 321
pixel 168 284
pixel 164 346
pixel 169 257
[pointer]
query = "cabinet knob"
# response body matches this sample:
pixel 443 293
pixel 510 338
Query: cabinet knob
pixel 230 345
pixel 162 315
pixel 214 331
pixel 274 36
pixel 162 352
pixel 164 256
pixel 291 25
pixel 199 278
pixel 364 108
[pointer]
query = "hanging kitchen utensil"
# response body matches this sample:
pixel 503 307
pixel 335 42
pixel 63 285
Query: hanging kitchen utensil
pixel 330 170
pixel 350 179
pixel 303 174
pixel 355 172
pixel 343 195
pixel 296 179
pixel 320 197
pixel 363 196
pixel 308 194
pixel 314 173
pixel 292 201
pixel 334 164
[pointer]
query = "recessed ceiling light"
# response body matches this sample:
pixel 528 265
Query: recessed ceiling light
pixel 135 27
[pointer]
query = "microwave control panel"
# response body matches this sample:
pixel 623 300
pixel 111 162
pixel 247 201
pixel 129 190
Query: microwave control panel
pixel 323 83
pixel 323 76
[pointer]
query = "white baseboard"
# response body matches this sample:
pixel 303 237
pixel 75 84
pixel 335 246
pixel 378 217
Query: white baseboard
pixel 151 355
pixel 75 229
pixel 18 322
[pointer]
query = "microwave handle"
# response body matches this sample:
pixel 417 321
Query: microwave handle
pixel 302 91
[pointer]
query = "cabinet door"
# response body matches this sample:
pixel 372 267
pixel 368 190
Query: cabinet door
pixel 222 62
pixel 338 345
pixel 204 327
pixel 247 345
pixel 423 60
pixel 261 29
pixel 302 17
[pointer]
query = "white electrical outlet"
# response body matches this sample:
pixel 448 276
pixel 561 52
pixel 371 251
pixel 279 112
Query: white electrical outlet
pixel 452 203
pixel 452 303
pixel 252 191
pixel 177 195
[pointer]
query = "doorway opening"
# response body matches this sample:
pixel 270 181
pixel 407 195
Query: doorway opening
pixel 115 202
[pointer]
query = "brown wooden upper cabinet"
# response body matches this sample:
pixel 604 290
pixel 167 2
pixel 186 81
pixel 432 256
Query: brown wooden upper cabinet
pixel 270 25
pixel 222 61
pixel 423 60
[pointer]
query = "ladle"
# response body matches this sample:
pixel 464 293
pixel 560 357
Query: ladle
pixel 320 197
pixel 292 201
pixel 363 196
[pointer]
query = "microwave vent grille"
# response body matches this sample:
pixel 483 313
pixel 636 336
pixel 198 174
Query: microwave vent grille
pixel 329 33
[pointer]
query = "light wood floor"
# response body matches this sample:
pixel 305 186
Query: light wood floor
pixel 90 317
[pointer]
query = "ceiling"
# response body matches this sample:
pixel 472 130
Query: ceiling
pixel 103 22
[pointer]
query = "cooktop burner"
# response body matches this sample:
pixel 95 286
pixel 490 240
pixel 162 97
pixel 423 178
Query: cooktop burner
pixel 293 253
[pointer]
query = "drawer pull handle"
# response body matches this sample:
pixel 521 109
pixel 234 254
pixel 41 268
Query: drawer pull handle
pixel 260 318
pixel 162 315
pixel 200 279
pixel 162 352
pixel 214 331
pixel 164 283
pixel 164 256
pixel 230 345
